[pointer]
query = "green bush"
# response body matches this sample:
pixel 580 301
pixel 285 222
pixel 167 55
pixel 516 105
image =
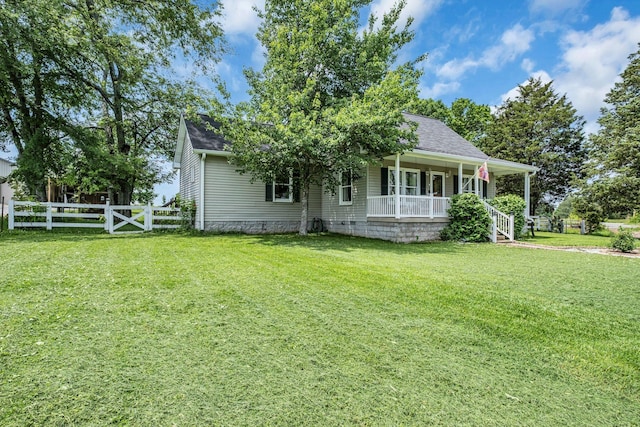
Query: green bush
pixel 187 213
pixel 469 221
pixel 590 211
pixel 623 241
pixel 512 203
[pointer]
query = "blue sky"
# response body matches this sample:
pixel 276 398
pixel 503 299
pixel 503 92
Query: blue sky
pixel 483 49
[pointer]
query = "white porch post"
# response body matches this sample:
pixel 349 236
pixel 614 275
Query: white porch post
pixel 527 194
pixel 459 178
pixel 477 181
pixel 396 173
pixel 201 207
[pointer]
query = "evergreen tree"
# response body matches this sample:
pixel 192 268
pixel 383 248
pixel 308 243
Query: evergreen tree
pixel 613 171
pixel 328 100
pixel 541 128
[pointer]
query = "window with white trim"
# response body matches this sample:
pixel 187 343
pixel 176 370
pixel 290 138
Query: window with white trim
pixel 346 188
pixel 409 181
pixel 283 189
pixel 470 187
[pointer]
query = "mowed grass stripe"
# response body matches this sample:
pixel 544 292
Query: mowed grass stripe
pixel 280 330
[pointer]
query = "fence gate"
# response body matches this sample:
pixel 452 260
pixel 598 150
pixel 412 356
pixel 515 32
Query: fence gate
pixel 120 215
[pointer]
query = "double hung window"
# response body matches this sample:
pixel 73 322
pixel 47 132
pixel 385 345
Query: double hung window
pixel 283 189
pixel 346 188
pixel 409 181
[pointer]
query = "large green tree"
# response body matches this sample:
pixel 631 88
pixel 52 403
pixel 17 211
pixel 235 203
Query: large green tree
pixel 329 99
pixel 98 79
pixel 34 100
pixel 613 170
pixel 468 119
pixel 542 128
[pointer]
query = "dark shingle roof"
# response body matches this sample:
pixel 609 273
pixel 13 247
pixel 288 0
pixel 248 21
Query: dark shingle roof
pixel 435 136
pixel 202 135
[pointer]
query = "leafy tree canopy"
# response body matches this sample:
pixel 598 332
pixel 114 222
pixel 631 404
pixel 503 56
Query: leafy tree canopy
pixel 468 119
pixel 85 92
pixel 542 128
pixel 329 99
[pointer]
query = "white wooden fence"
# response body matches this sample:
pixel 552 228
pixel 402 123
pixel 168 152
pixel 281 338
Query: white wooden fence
pixel 109 217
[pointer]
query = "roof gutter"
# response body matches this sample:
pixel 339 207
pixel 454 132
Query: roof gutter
pixel 213 152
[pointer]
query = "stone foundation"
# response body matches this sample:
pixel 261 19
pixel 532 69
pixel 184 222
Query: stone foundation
pixel 399 231
pixel 253 227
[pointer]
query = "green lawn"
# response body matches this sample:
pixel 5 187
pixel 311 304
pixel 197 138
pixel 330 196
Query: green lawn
pixel 599 239
pixel 170 329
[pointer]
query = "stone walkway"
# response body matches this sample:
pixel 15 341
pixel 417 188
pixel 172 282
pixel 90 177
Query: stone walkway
pixel 602 251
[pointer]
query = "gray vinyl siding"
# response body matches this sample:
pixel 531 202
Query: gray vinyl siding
pixel 6 191
pixel 5 168
pixel 230 196
pixel 357 211
pixel 491 187
pixel 373 187
pixel 190 168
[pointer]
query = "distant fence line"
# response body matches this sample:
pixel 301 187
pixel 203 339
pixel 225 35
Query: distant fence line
pixel 543 223
pixel 109 217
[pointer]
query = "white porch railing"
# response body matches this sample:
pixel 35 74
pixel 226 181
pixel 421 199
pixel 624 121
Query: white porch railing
pixel 410 206
pixel 504 223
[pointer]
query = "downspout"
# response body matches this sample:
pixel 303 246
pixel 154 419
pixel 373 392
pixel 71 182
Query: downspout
pixel 527 192
pixel 201 207
pixel 397 185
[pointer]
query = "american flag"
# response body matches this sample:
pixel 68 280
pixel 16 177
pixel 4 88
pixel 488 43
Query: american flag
pixel 483 172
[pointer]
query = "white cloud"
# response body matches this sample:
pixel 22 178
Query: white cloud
pixel 593 60
pixel 438 89
pixel 554 7
pixel 591 64
pixel 258 56
pixel 527 65
pixel 240 18
pixel 418 9
pixel 513 42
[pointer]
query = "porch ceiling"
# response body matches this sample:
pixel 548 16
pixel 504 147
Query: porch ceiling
pixel 496 167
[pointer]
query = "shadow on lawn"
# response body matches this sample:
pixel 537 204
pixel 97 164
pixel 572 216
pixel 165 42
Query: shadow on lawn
pixel 59 235
pixel 317 242
pixel 339 242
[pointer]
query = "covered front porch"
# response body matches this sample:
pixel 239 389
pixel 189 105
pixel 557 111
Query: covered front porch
pixel 419 184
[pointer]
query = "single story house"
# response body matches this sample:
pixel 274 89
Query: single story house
pixel 404 198
pixel 6 192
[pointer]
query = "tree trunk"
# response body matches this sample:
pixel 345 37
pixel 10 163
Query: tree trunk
pixel 304 213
